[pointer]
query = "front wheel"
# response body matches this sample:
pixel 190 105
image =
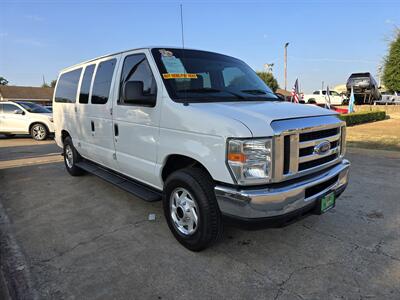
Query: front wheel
pixel 39 132
pixel 191 208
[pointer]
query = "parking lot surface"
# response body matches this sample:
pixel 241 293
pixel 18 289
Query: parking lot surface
pixel 84 238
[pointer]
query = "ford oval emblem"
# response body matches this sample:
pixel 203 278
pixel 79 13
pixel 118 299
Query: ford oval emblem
pixel 322 148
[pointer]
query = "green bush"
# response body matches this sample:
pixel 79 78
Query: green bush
pixel 363 117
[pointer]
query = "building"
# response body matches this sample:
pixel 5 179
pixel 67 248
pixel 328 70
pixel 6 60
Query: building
pixel 26 93
pixel 285 94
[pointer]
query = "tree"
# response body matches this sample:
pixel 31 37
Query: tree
pixel 391 69
pixel 45 85
pixel 53 83
pixel 269 79
pixel 3 81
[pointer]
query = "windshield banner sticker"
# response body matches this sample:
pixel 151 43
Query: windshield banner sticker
pixel 179 75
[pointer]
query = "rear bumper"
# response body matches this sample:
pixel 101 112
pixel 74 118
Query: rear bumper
pixel 276 201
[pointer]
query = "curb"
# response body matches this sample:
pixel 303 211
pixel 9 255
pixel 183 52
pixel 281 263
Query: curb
pixel 15 278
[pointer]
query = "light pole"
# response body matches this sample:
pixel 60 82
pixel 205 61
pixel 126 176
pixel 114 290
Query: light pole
pixel 285 66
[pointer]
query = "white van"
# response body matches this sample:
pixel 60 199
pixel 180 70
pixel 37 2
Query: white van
pixel 22 117
pixel 201 131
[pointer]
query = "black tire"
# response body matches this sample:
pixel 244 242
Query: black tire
pixel 39 132
pixel 9 135
pixel 201 187
pixel 312 101
pixel 70 165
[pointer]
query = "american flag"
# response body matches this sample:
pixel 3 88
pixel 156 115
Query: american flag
pixel 295 92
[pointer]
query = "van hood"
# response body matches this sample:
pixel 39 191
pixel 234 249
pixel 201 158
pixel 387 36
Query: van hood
pixel 258 115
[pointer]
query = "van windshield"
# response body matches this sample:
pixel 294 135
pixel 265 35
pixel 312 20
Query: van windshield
pixel 200 76
pixel 33 107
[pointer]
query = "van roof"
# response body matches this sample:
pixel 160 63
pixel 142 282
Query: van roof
pixel 120 52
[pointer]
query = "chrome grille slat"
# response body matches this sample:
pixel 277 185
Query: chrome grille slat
pixel 312 143
pixel 317 156
pixel 294 154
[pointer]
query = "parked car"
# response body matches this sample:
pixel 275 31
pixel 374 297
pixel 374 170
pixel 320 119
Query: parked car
pixel 202 132
pixel 366 90
pixel 319 97
pixel 389 98
pixel 22 117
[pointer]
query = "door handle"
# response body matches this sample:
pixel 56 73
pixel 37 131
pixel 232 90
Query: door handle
pixel 116 131
pixel 92 125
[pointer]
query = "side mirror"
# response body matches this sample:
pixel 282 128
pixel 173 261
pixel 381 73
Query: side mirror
pixel 133 94
pixel 19 112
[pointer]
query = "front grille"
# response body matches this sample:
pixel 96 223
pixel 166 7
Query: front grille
pixel 308 142
pixel 304 150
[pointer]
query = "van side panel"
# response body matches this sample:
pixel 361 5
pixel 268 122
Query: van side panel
pixel 138 127
pixel 95 120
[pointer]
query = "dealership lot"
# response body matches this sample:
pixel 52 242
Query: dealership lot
pixel 84 238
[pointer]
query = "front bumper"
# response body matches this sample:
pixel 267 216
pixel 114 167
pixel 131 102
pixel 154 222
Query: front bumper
pixel 286 198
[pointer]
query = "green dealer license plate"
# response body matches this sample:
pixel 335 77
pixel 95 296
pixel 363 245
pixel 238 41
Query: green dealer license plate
pixel 327 202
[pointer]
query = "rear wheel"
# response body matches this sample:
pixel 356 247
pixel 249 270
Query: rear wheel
pixel 71 157
pixel 312 101
pixel 191 208
pixel 39 132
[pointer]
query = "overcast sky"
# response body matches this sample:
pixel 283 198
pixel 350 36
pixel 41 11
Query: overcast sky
pixel 329 40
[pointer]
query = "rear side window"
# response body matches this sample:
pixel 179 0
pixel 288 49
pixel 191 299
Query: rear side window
pixel 85 85
pixel 68 86
pixel 136 68
pixel 102 82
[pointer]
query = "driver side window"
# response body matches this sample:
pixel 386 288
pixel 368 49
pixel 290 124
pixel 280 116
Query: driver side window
pixel 137 68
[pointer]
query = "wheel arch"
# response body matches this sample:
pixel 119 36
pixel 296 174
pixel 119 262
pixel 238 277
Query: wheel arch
pixel 175 162
pixel 64 135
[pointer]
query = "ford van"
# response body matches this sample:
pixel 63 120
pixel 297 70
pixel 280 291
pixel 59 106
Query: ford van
pixel 201 132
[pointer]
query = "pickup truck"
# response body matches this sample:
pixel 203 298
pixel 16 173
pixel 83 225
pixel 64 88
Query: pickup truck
pixel 201 132
pixel 365 88
pixel 319 97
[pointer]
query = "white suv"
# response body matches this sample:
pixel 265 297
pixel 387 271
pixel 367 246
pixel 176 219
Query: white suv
pixel 201 131
pixel 23 117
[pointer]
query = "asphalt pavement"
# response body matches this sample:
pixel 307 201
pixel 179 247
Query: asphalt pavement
pixel 83 238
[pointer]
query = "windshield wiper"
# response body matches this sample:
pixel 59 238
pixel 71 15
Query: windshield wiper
pixel 254 92
pixel 210 90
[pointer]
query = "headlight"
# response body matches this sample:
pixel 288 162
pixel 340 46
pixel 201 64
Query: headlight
pixel 250 160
